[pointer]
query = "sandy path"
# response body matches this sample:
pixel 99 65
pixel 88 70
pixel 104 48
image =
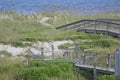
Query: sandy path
pixel 35 48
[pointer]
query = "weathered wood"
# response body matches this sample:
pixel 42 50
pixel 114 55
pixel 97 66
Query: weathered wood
pixel 94 68
pixel 99 69
pixel 95 27
pixel 71 56
pixel 67 52
pixel 84 58
pixel 103 70
pixel 77 49
pixel 108 61
pixel 53 54
pixel 83 24
pixel 42 53
pixel 87 20
pixel 117 64
pixel 110 20
pixel 103 31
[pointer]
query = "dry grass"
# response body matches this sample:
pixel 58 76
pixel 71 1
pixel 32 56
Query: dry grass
pixel 16 27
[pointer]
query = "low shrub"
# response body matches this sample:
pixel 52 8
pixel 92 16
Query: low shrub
pixel 42 70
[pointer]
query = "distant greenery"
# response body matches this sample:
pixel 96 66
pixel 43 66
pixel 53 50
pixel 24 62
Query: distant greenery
pixel 15 27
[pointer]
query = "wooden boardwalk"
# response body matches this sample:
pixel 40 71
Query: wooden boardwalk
pixel 99 26
pixel 91 62
pixel 99 69
pixel 94 68
pixel 105 26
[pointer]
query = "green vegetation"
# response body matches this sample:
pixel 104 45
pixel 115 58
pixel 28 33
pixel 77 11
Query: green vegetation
pixel 42 70
pixel 106 77
pixel 15 28
pixel 46 70
pixel 8 67
pixel 5 53
pixel 18 29
pixel 100 43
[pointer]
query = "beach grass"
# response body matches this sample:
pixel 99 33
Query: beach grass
pixel 16 28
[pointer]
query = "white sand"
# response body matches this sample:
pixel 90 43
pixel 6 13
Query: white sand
pixel 13 50
pixel 36 48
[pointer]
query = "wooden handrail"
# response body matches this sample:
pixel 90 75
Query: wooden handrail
pixel 89 20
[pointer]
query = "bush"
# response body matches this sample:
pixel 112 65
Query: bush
pixel 42 70
pixel 38 63
pixel 33 73
pixel 104 43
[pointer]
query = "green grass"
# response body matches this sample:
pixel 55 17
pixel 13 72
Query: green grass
pixel 106 77
pixel 8 67
pixel 16 28
pixel 5 53
pixel 47 70
pixel 43 70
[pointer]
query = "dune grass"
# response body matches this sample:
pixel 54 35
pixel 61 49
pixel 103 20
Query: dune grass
pixel 16 28
pixel 8 67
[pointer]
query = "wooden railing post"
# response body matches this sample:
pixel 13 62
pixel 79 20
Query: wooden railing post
pixel 53 55
pixel 42 53
pixel 65 28
pixel 108 61
pixel 95 71
pixel 95 27
pixel 119 30
pixel 71 56
pixel 76 72
pixel 107 29
pixel 84 58
pixel 66 54
pixel 119 34
pixel 67 51
pixel 91 46
pixel 77 49
pixel 117 64
pixel 84 23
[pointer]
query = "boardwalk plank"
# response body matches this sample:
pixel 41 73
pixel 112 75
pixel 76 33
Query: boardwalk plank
pixel 99 69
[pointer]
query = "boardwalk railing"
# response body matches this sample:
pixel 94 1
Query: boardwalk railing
pixel 54 54
pixel 104 63
pixel 105 26
pixel 110 64
pixel 94 62
pixel 110 20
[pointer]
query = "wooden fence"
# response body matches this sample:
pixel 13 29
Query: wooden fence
pixel 105 26
pixel 95 62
